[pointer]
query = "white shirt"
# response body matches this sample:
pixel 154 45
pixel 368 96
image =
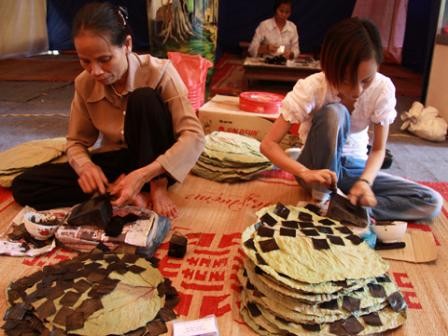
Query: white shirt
pixel 268 32
pixel 375 105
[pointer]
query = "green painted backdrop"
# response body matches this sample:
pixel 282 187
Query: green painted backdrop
pixel 188 26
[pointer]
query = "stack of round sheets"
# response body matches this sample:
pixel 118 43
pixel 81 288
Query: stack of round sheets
pixel 309 275
pixel 229 157
pixel 93 294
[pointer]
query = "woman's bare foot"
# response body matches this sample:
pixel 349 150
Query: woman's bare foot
pixel 161 202
pixel 141 200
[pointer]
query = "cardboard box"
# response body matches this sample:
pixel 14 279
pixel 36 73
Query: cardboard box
pixel 222 113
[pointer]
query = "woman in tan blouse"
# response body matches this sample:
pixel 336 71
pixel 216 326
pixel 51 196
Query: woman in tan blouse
pixel 136 107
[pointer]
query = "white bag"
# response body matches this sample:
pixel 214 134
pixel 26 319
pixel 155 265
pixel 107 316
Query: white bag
pixel 424 122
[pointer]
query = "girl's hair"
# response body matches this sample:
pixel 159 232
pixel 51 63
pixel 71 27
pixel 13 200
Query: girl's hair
pixel 105 19
pixel 345 46
pixel 277 3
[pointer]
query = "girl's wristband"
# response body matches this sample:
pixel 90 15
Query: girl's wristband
pixel 365 181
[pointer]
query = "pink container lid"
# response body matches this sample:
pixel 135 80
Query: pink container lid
pixel 260 102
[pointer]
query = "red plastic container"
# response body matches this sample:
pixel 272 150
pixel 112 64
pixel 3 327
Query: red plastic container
pixel 260 102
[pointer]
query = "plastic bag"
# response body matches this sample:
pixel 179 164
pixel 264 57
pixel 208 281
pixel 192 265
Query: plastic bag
pixel 193 71
pixel 424 122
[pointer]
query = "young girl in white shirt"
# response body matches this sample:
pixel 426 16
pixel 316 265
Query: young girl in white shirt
pixel 335 109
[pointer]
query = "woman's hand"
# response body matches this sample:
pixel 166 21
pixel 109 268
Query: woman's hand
pixel 361 194
pixel 288 54
pixel 92 179
pixel 272 49
pixel 127 189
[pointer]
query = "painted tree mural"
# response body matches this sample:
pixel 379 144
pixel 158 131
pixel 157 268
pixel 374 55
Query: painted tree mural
pixel 188 26
pixel 176 21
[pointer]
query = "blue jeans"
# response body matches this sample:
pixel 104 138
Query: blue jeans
pixel 398 199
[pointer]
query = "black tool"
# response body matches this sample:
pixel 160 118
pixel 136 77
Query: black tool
pixel 389 246
pixel 345 212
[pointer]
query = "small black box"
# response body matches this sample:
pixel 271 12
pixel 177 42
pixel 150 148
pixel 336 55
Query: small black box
pixel 96 211
pixel 177 246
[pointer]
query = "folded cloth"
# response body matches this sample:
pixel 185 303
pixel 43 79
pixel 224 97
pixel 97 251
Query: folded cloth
pixel 425 122
pixel 18 158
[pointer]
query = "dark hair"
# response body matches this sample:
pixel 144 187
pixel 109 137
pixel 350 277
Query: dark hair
pixel 345 46
pixel 277 3
pixel 103 18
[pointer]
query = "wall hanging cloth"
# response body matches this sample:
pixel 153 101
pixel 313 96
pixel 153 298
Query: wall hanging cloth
pixel 390 18
pixel 24 28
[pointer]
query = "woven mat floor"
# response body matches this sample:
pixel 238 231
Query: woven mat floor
pixel 213 216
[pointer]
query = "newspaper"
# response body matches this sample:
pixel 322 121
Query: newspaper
pixel 134 233
pixel 144 234
pixel 21 249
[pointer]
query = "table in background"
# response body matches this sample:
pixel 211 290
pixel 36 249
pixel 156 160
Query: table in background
pixel 255 68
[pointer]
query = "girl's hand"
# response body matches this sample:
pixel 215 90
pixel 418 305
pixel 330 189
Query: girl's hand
pixel 127 189
pixel 319 177
pixel 92 179
pixel 361 194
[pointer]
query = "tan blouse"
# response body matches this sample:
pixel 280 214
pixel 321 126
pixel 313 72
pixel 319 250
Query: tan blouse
pixel 96 110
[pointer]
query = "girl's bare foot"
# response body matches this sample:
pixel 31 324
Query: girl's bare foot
pixel 161 202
